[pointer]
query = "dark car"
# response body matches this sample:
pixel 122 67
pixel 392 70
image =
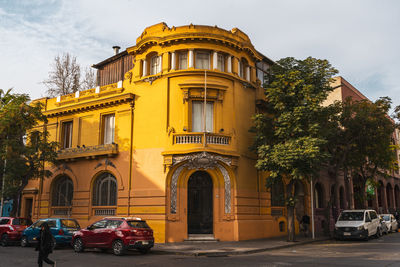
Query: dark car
pixel 61 229
pixel 11 229
pixel 116 233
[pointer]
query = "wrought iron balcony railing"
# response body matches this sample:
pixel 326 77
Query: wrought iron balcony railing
pixel 88 151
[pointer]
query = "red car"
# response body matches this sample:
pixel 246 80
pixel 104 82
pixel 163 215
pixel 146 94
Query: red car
pixel 11 229
pixel 116 233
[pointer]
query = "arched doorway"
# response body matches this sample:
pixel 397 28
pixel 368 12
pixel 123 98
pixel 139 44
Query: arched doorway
pixel 380 190
pixel 389 197
pixel 396 196
pixel 200 203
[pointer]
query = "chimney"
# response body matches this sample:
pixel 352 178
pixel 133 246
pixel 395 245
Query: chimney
pixel 116 49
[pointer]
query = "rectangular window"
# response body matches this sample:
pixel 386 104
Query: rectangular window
pixel 182 58
pixel 155 65
pixel 108 128
pixel 198 116
pixel 66 138
pixel 221 62
pixel 202 60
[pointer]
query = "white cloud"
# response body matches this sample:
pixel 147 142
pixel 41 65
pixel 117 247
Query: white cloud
pixel 359 37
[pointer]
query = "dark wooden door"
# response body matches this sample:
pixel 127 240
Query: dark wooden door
pixel 200 203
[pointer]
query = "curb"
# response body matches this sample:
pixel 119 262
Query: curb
pixel 231 253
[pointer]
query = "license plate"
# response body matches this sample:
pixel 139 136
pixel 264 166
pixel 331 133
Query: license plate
pixel 145 242
pixel 346 233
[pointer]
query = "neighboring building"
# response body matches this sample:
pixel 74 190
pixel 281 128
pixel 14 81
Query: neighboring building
pixel 138 145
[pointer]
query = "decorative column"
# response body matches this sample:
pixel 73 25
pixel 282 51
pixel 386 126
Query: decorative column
pixel 144 67
pixel 173 61
pixel 248 73
pixel 239 66
pixel 215 60
pixel 190 60
pixel 229 64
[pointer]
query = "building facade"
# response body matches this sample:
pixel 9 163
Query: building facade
pixel 165 137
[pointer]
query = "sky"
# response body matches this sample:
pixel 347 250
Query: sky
pixel 359 37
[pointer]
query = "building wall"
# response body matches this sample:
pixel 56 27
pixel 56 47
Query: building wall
pixel 156 152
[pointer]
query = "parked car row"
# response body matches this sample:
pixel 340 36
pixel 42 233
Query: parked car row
pixel 116 233
pixel 362 224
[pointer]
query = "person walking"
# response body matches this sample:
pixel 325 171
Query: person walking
pixel 45 245
pixel 305 224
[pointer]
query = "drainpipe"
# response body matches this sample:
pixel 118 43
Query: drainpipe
pixel 130 160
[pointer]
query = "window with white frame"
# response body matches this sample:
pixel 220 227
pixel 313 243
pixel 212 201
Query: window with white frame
pixel 105 190
pixel 240 69
pixel 155 65
pixel 198 116
pixel 66 138
pixel 221 62
pixel 182 60
pixel 202 60
pixel 62 192
pixel 108 128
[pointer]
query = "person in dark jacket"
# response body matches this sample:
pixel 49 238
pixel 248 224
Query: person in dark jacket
pixel 305 224
pixel 45 245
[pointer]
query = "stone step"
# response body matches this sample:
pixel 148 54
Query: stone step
pixel 201 238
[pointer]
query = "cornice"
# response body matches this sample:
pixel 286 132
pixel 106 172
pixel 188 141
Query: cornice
pixel 95 104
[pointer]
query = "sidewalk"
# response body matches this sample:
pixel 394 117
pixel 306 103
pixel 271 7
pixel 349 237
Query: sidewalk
pixel 231 247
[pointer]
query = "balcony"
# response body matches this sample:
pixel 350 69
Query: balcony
pixel 198 138
pixel 88 152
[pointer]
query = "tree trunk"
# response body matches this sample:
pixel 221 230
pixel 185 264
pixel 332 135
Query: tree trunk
pixel 291 234
pixel 15 198
pixel 290 225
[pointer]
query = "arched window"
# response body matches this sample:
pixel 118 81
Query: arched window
pixel 277 193
pixel 318 193
pixel 105 190
pixel 62 192
pixel 341 198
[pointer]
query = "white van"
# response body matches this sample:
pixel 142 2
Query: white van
pixel 357 224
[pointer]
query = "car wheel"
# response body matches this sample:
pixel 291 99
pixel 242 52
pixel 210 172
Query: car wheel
pixel 78 245
pixel 24 242
pixel 118 248
pixel 4 240
pixel 144 250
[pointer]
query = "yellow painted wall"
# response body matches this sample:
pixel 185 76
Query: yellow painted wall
pixel 162 110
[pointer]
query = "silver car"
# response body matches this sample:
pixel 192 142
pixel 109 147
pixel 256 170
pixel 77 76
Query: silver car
pixel 390 222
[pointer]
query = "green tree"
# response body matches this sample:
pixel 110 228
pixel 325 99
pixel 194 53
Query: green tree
pixel 369 149
pixel 22 160
pixel 290 134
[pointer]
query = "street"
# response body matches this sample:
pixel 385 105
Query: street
pixel 376 252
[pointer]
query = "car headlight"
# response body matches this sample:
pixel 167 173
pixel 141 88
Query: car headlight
pixel 360 227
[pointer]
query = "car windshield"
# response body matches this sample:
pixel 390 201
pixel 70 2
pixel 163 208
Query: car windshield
pixel 386 217
pixel 4 221
pixel 352 216
pixel 138 224
pixel 22 221
pixel 69 224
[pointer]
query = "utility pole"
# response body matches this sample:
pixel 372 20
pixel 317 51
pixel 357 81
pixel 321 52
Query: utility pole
pixel 312 209
pixel 3 181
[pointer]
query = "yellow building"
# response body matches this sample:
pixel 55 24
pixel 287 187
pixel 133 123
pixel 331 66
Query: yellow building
pixel 164 136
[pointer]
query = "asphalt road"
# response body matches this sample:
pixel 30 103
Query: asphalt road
pixel 384 251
